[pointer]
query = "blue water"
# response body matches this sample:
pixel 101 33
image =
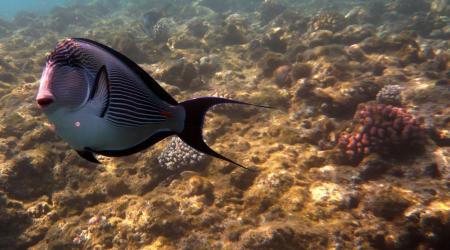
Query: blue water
pixel 8 8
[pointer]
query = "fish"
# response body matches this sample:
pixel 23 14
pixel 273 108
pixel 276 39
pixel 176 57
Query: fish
pixel 102 103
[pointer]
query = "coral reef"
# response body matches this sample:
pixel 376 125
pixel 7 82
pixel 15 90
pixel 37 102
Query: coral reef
pixel 327 20
pixel 161 31
pixel 353 34
pixel 181 74
pixel 346 100
pixel 198 27
pixel 233 35
pixel 178 155
pixel 381 128
pixel 228 109
pixel 151 18
pixel 208 65
pixel 283 75
pixel 301 70
pixel 439 6
pixel 270 9
pixel 390 95
pixel 275 40
pixel 216 5
pixel 270 63
pixel 125 43
pixel 410 6
pixel 354 154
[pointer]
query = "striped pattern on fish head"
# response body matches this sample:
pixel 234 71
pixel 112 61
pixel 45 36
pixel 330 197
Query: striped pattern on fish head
pixel 67 79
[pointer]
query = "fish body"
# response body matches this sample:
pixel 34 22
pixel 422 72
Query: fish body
pixel 103 103
pixel 81 123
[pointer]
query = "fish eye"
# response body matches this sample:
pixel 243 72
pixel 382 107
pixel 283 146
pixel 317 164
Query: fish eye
pixel 71 61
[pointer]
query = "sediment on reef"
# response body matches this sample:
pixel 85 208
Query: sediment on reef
pixel 316 187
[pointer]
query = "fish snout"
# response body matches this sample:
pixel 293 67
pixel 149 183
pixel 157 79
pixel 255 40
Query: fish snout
pixel 43 100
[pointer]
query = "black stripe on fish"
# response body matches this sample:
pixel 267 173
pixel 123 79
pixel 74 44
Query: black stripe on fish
pixel 60 49
pixel 70 53
pixel 124 86
pixel 134 103
pixel 125 82
pixel 147 105
pixel 146 78
pixel 135 99
pixel 131 106
pixel 132 119
pixel 100 93
pixel 125 112
pixel 126 108
pixel 120 92
pixel 121 87
pixel 66 52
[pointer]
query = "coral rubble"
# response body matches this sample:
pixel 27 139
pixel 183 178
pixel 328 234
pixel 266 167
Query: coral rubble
pixel 354 153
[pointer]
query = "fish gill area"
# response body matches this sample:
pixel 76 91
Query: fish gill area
pixel 355 155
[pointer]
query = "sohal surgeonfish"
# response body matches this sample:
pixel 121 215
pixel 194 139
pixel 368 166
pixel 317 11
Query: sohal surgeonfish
pixel 103 103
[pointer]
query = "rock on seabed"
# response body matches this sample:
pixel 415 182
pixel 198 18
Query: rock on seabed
pixel 314 63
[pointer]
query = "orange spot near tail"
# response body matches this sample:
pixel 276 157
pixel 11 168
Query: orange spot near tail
pixel 166 114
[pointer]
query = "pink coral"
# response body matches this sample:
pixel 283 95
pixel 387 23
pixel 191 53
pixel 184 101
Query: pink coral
pixel 380 128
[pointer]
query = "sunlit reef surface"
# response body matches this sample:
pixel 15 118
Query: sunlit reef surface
pixel 338 167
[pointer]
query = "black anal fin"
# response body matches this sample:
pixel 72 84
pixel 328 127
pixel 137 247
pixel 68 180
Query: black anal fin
pixel 88 156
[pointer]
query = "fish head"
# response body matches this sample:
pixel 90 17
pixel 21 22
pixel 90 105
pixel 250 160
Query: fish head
pixel 65 81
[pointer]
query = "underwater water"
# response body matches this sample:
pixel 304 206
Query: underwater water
pixel 353 154
pixel 10 8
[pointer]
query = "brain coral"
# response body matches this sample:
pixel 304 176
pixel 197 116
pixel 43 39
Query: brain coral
pixel 179 155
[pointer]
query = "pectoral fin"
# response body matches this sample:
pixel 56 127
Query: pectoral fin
pixel 88 156
pixel 100 92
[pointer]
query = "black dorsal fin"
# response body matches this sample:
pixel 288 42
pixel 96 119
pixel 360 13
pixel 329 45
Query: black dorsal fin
pixel 148 80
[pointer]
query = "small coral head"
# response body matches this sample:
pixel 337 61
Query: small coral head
pixel 380 128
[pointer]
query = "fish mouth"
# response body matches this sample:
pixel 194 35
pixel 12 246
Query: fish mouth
pixel 44 101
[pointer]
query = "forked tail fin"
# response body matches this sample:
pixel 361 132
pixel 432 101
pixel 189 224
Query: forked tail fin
pixel 193 126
